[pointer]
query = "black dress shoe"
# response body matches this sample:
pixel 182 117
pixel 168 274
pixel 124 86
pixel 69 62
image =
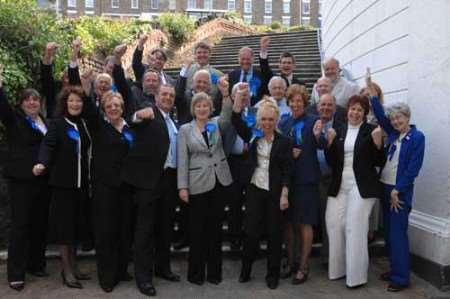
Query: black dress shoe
pixel 38 273
pixel 17 285
pixel 107 289
pixel 168 276
pixel 147 288
pixel 215 281
pixel 74 284
pixel 272 283
pixel 393 287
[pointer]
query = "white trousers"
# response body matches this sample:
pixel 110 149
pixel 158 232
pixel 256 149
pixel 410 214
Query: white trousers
pixel 347 221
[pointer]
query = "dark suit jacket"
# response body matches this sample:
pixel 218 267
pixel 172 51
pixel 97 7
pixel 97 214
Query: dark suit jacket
pixel 235 75
pixel 280 157
pixel 268 74
pixel 139 68
pixel 22 139
pixel 365 158
pixel 340 115
pixel 144 164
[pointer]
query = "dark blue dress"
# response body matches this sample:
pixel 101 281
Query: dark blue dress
pixel 305 176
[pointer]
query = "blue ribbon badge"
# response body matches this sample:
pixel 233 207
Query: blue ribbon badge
pixel 74 135
pixel 391 151
pixel 297 133
pixel 250 119
pixel 128 136
pixel 214 78
pixel 254 83
pixel 256 133
pixel 32 123
pixel 211 129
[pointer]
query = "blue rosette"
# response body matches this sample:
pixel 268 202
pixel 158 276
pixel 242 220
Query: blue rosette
pixel 297 133
pixel 129 137
pixel 32 123
pixel 256 133
pixel 74 135
pixel 254 85
pixel 214 78
pixel 250 119
pixel 211 128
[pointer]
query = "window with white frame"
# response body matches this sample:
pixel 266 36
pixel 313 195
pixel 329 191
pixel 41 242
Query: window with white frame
pixel 286 6
pixel 154 4
pixel 134 4
pixel 71 3
pixel 267 20
pixel 172 4
pixel 208 4
pixel 89 3
pixel 231 4
pixel 306 7
pixel 115 3
pixel 268 6
pixel 192 4
pixel 248 6
pixel 248 19
pixel 286 20
pixel 306 20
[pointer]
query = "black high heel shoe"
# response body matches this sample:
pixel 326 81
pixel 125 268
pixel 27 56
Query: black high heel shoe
pixel 74 284
pixel 17 285
pixel 82 276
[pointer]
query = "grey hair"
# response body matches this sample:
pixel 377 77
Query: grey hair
pixel 246 48
pixel 324 79
pixel 198 97
pixel 400 107
pixel 331 59
pixel 200 72
pixel 328 94
pixel 274 78
pixel 103 76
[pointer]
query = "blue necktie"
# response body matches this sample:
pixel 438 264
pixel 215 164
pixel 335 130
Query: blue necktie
pixel 173 141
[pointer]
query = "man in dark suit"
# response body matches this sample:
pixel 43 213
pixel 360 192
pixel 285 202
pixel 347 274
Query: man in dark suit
pixel 144 92
pixel 150 170
pixel 332 116
pixel 156 59
pixel 247 73
pixel 286 64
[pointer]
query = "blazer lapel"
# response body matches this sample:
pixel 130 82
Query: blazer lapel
pixel 275 144
pixel 198 135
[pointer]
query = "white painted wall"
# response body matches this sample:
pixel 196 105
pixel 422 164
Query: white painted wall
pixel 406 43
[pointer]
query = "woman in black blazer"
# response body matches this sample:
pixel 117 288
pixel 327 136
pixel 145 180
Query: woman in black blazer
pixel 29 195
pixel 354 153
pixel 65 154
pixel 268 177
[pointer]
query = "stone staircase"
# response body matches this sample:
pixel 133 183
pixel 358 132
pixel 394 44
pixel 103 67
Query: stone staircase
pixel 302 44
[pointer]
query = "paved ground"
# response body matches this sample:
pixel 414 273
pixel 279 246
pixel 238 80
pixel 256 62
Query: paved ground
pixel 318 286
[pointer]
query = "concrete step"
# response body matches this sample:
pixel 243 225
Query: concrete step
pixel 308 33
pixel 245 42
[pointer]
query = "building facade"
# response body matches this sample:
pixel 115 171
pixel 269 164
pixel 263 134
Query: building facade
pixel 287 12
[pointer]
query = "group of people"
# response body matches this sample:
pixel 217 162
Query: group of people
pixel 112 157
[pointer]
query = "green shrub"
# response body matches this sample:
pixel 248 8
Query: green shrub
pixel 179 26
pixel 276 25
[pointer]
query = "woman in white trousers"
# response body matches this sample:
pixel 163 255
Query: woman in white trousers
pixel 353 153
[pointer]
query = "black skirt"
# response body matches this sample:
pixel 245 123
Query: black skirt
pixel 304 204
pixel 67 219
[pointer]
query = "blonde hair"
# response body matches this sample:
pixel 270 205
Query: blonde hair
pixel 103 76
pixel 109 95
pixel 297 89
pixel 265 104
pixel 201 96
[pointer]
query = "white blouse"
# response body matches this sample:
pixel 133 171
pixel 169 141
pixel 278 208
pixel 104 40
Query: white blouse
pixel 348 175
pixel 260 177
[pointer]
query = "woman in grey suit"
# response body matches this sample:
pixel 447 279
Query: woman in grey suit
pixel 203 178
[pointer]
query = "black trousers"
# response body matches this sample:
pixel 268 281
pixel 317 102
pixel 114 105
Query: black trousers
pixel 29 200
pixel 206 213
pixel 236 198
pixel 166 199
pixel 263 212
pixel 112 227
pixel 144 233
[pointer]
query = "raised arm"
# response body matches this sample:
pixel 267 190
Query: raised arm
pixel 225 113
pixel 74 71
pixel 266 71
pixel 47 78
pixel 138 67
pixel 121 82
pixel 241 127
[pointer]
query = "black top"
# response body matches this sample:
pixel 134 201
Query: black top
pixel 23 139
pixel 268 74
pixel 280 156
pixel 235 75
pixel 366 157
